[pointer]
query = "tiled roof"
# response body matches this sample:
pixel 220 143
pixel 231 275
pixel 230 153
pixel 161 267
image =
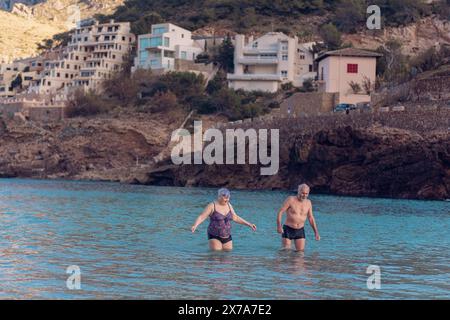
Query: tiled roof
pixel 349 52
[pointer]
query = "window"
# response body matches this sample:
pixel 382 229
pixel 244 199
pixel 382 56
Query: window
pixel 182 35
pixel 154 63
pixel 310 68
pixel 284 73
pixel 150 42
pixel 183 55
pixel 302 57
pixel 166 42
pixel 352 68
pixel 143 56
pixel 159 30
pixel 285 57
pixel 255 44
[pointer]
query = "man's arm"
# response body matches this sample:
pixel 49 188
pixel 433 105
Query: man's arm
pixel 283 209
pixel 312 222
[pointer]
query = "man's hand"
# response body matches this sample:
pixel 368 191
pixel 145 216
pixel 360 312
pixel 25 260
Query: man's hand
pixel 279 229
pixel 193 228
pixel 317 237
pixel 252 226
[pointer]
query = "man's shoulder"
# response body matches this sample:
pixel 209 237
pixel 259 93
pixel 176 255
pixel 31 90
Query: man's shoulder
pixel 290 198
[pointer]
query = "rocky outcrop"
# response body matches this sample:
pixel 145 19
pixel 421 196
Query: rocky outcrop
pixel 415 38
pixel 384 155
pixel 99 149
pixel 376 162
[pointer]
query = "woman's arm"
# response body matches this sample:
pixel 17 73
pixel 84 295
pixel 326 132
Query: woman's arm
pixel 202 217
pixel 240 220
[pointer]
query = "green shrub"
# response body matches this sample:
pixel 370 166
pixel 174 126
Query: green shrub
pixel 82 104
pixel 161 101
pixel 331 36
pixel 217 83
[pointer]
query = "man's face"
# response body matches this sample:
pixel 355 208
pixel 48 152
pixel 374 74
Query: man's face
pixel 303 194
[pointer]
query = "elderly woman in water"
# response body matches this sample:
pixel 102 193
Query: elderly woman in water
pixel 220 213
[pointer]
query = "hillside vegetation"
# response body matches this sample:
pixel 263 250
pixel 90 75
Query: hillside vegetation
pixel 251 15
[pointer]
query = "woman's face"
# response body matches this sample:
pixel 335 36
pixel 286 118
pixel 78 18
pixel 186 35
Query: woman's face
pixel 224 199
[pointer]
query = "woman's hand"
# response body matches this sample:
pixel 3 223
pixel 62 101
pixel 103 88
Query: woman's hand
pixel 193 228
pixel 252 226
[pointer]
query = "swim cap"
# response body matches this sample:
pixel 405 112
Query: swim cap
pixel 224 192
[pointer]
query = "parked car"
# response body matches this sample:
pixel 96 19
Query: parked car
pixel 364 107
pixel 344 107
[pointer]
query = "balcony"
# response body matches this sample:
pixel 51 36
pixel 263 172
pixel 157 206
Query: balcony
pixel 258 60
pixel 255 76
pixel 270 49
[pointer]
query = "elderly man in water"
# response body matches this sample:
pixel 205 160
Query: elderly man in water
pixel 298 209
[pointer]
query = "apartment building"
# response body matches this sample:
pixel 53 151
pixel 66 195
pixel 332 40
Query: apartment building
pixel 166 44
pixel 267 62
pixel 94 52
pixel 343 71
pixel 11 80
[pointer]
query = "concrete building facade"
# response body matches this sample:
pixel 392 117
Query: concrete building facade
pixel 94 52
pixel 338 70
pixel 267 62
pixel 165 44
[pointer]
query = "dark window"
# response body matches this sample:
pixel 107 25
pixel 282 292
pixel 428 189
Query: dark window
pixel 352 68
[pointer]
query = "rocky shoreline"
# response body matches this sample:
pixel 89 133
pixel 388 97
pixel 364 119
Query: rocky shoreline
pixel 374 162
pixel 360 156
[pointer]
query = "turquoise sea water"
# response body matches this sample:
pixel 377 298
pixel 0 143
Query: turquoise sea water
pixel 133 242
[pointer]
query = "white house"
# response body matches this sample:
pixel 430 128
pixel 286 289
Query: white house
pixel 338 70
pixel 160 48
pixel 267 62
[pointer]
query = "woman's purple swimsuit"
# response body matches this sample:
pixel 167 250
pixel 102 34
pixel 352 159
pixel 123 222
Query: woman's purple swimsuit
pixel 219 224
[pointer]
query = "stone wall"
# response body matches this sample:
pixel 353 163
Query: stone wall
pixel 45 114
pixel 311 103
pixel 187 65
pixel 8 110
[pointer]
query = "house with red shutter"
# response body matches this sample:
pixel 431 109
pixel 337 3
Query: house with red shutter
pixel 349 72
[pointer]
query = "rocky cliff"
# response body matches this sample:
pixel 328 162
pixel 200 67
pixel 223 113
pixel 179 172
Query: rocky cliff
pixel 415 38
pixel 104 148
pixel 360 159
pixel 399 155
